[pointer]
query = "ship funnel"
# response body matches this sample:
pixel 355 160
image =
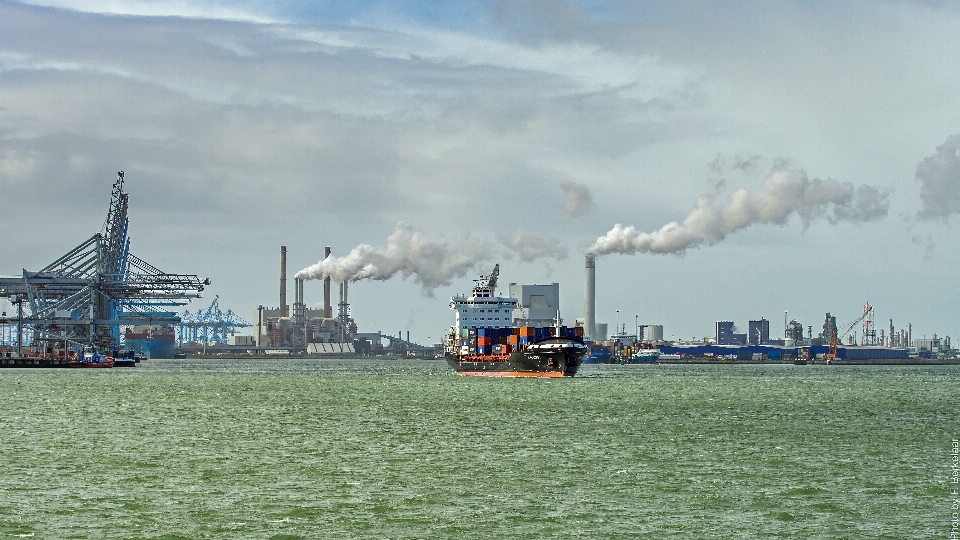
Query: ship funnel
pixel 590 297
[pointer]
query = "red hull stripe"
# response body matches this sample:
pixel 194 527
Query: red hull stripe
pixel 512 373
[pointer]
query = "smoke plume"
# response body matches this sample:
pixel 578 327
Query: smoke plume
pixel 432 264
pixel 529 247
pixel 785 193
pixel 939 177
pixel 577 200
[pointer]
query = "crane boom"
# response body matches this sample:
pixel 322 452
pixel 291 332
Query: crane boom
pixel 834 339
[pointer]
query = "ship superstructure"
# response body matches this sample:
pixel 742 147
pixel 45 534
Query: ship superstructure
pixel 483 308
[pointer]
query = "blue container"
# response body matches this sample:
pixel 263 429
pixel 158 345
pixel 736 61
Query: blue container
pixel 482 349
pixel 481 332
pixel 524 340
pixel 464 341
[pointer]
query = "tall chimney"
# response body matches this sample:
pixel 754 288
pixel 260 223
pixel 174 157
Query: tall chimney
pixel 590 297
pixel 327 310
pixel 283 281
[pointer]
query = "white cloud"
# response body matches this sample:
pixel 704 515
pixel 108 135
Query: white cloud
pixel 191 9
pixel 939 176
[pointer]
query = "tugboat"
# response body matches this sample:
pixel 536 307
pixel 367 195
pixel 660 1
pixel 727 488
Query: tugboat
pixel 501 349
pixel 90 358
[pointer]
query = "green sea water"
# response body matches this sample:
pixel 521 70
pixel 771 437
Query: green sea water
pixel 283 449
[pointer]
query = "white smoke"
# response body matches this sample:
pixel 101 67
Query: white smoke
pixel 939 177
pixel 785 192
pixel 529 247
pixel 408 253
pixel 577 199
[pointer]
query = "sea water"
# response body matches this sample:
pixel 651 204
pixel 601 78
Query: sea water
pixel 282 449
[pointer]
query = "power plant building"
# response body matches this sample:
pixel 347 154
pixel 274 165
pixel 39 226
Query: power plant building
pixel 278 327
pixel 537 305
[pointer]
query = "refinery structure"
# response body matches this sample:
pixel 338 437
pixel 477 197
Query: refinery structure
pixel 856 341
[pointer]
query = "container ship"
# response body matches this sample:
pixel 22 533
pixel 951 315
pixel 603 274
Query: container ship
pixel 154 341
pixel 485 341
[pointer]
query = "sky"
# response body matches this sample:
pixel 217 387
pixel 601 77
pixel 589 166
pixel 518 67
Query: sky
pixel 724 160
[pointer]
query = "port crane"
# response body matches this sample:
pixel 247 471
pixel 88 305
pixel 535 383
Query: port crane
pixel 210 326
pixel 835 339
pixel 85 296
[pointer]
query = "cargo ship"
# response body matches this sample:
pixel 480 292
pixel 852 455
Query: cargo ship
pixel 485 341
pixel 154 341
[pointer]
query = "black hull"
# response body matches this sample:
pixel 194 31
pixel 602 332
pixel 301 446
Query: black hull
pixel 555 357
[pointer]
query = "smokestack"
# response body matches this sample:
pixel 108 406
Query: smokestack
pixel 327 310
pixel 590 297
pixel 283 281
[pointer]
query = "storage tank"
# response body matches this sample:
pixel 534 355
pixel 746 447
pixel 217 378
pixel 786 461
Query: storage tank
pixel 653 332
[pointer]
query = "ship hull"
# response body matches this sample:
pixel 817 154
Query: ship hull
pixel 152 347
pixel 549 358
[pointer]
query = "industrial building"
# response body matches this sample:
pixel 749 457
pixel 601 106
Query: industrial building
pixel 537 305
pixel 758 332
pixel 726 334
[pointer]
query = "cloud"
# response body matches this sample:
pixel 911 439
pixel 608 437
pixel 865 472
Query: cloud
pixel 531 246
pixel 189 9
pixel 577 200
pixel 939 177
pixel 784 193
pixel 431 263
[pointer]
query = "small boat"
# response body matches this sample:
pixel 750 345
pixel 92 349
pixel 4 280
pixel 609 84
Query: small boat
pixel 646 354
pixel 90 358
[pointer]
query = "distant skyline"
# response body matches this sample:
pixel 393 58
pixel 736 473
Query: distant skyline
pixel 726 160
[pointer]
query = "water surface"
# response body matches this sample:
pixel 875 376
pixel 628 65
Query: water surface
pixel 407 449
